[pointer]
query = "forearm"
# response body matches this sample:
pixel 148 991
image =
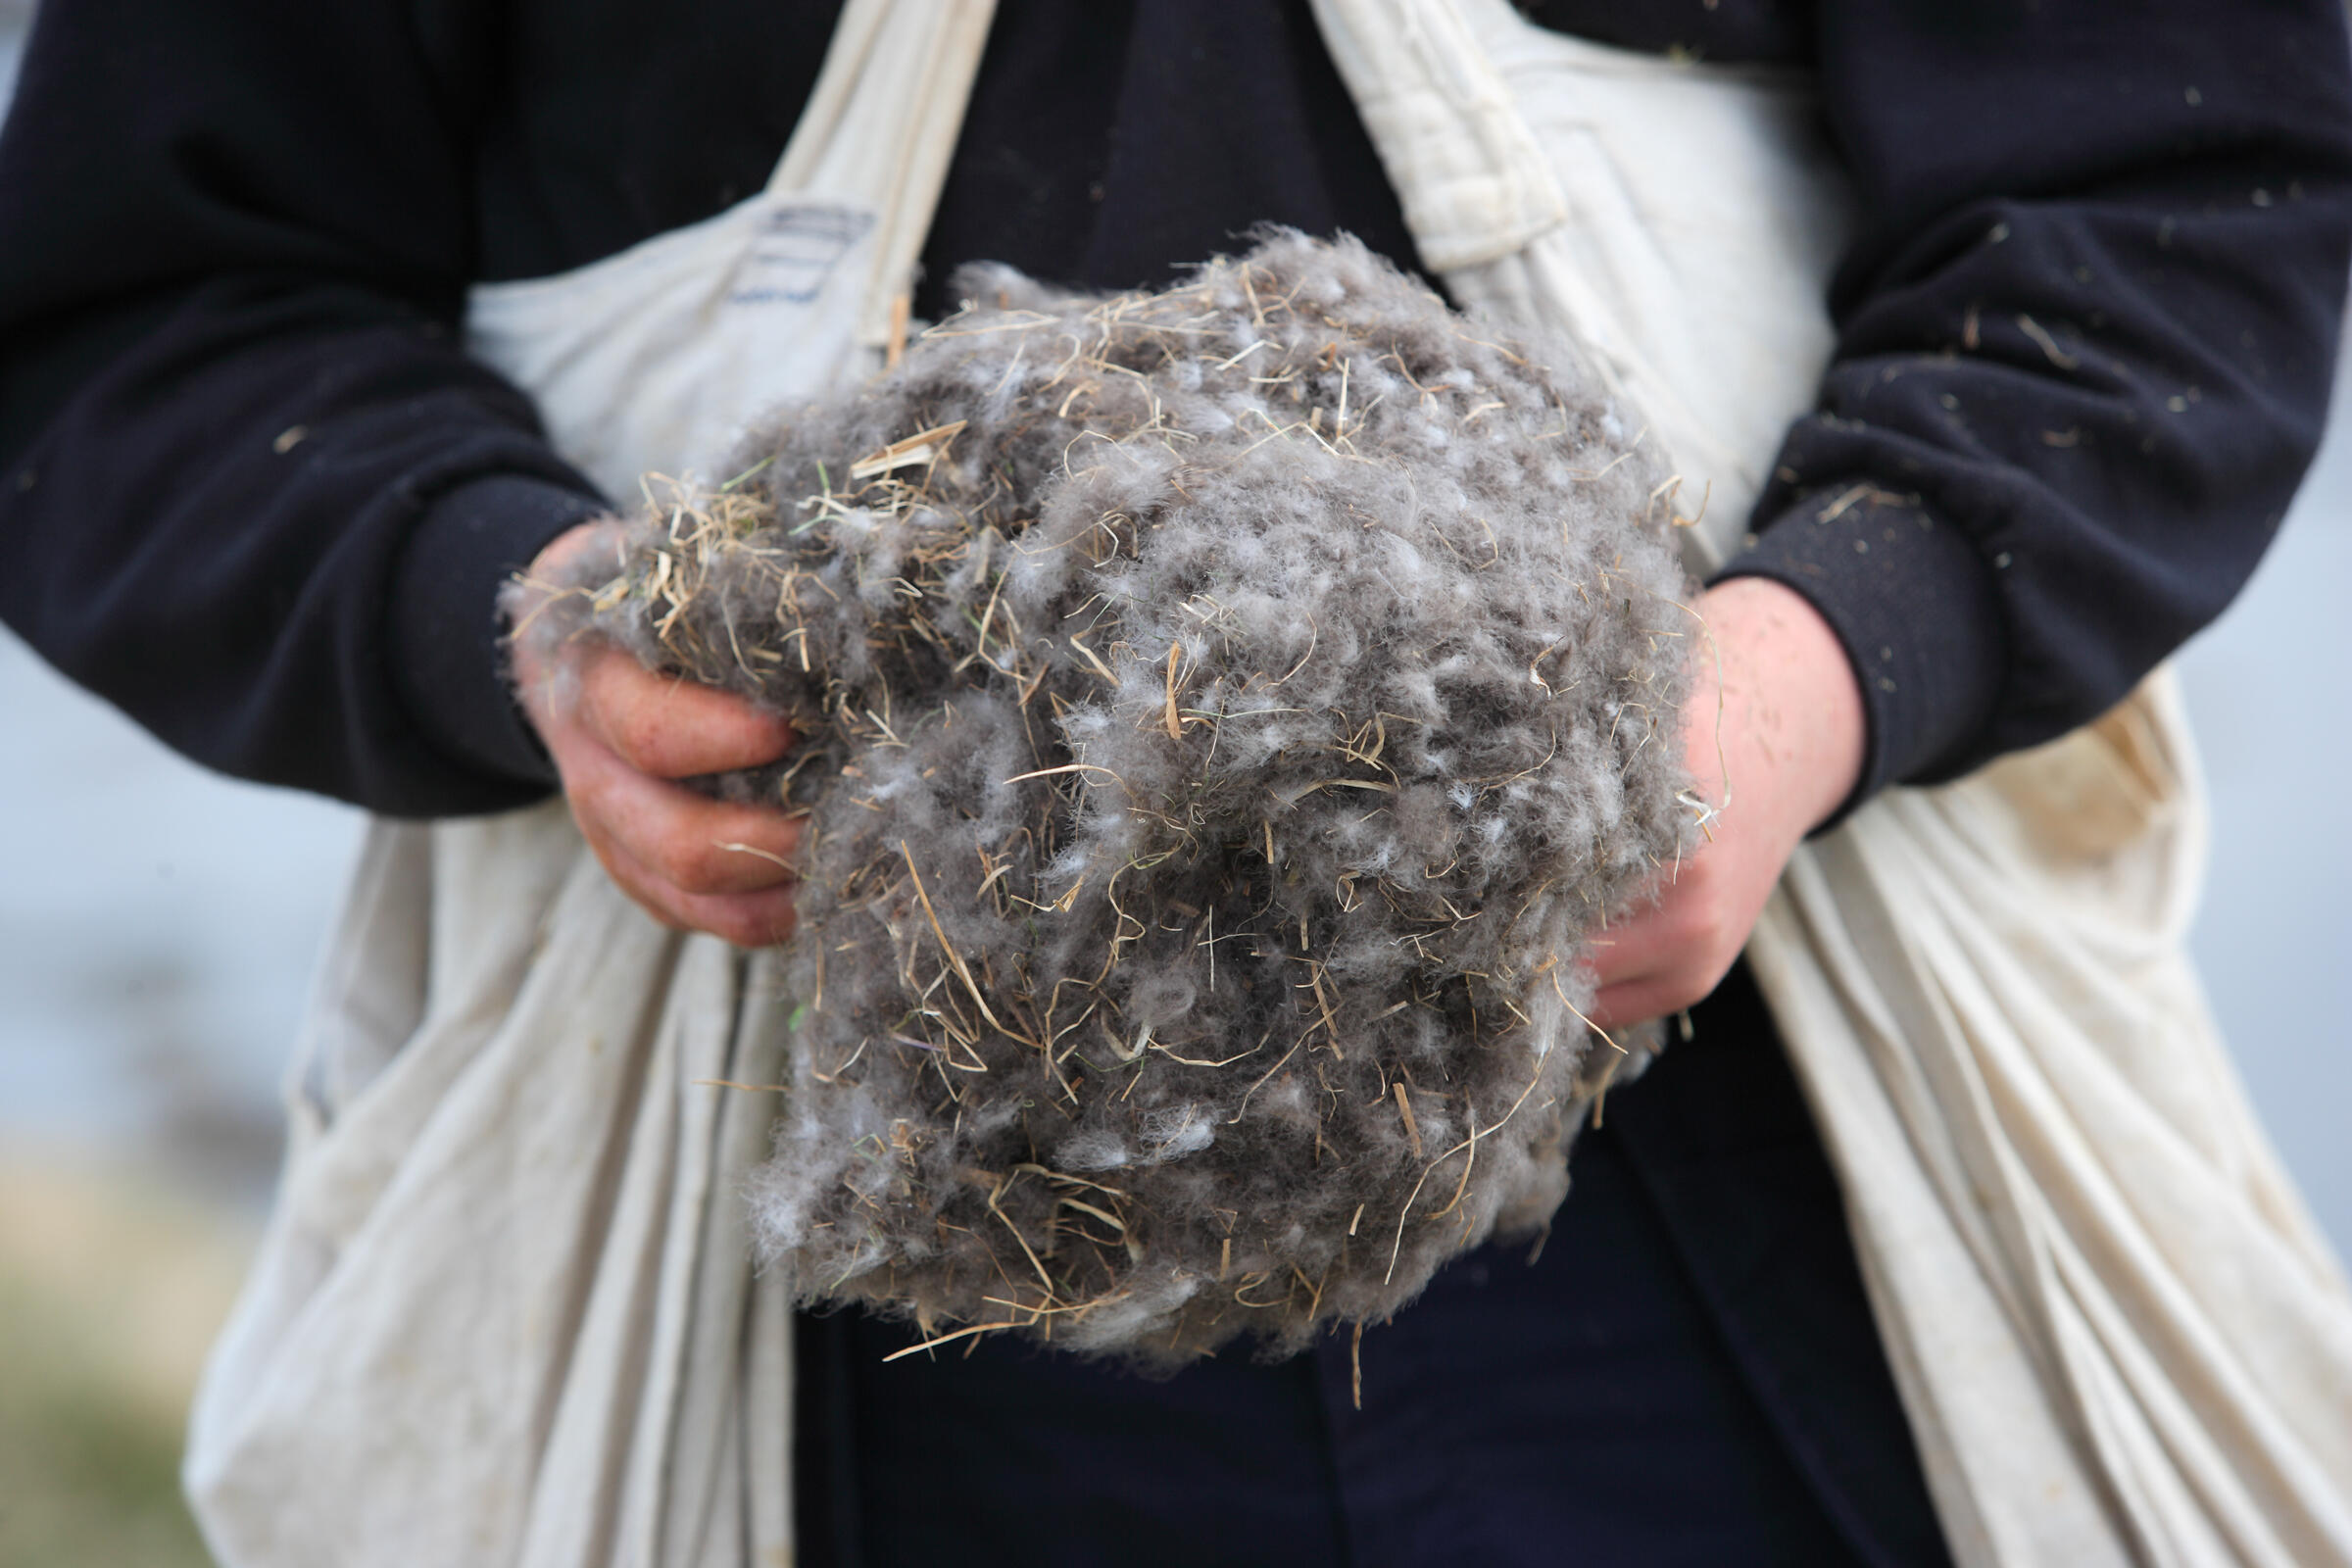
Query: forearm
pixel 2085 355
pixel 252 489
pixel 230 531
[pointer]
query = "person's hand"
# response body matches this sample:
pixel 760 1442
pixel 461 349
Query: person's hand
pixel 1792 737
pixel 622 737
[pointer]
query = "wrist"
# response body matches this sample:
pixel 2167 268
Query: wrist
pixel 1777 707
pixel 1917 607
pixel 535 644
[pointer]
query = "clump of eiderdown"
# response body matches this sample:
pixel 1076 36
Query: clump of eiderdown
pixel 1224 712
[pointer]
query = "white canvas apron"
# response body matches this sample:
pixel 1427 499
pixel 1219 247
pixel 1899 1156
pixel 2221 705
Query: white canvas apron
pixel 2118 1336
pixel 504 1313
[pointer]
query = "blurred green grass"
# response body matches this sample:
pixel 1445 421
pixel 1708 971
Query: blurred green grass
pixel 110 1287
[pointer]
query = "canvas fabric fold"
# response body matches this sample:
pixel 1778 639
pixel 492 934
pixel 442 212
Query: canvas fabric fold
pixel 2117 1335
pixel 504 1310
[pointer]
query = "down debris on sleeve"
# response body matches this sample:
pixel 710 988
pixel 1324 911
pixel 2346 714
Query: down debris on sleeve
pixel 2085 345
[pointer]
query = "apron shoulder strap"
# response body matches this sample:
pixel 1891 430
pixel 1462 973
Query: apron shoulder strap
pixel 1474 182
pixel 885 115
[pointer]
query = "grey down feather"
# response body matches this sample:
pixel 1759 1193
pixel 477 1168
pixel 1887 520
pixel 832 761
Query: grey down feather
pixel 1224 712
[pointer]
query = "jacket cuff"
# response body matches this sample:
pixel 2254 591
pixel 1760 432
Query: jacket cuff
pixel 447 636
pixel 1919 613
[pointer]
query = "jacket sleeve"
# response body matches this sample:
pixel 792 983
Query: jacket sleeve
pixel 246 471
pixel 2085 345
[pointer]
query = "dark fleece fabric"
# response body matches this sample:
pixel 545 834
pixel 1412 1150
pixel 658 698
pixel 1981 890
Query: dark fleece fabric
pixel 252 490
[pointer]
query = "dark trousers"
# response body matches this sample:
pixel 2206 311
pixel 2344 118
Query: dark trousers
pixel 1686 1374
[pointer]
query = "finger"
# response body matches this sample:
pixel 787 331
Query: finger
pixel 675 728
pixel 1639 1000
pixel 688 840
pixel 1685 921
pixel 1683 980
pixel 1630 949
pixel 1652 965
pixel 747 920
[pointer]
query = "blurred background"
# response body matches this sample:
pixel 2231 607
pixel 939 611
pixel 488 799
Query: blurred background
pixel 158 924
